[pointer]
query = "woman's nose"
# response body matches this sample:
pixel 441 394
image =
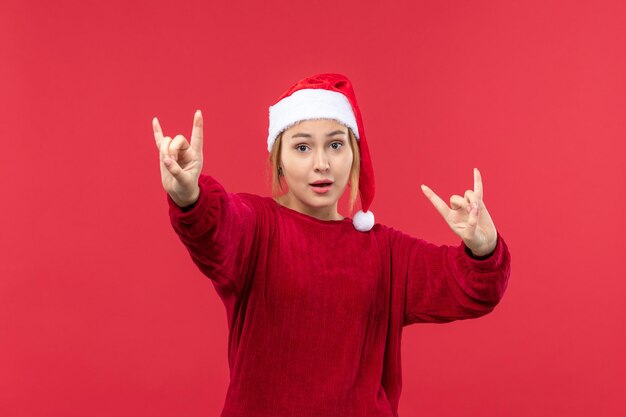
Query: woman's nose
pixel 321 161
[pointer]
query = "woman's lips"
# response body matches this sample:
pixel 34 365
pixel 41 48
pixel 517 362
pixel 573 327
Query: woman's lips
pixel 321 190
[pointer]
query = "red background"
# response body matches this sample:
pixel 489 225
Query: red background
pixel 102 312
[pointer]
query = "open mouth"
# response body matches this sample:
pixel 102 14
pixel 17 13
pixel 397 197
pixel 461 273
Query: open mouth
pixel 322 185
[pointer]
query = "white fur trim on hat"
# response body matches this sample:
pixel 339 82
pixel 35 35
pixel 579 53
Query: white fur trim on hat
pixel 363 222
pixel 310 103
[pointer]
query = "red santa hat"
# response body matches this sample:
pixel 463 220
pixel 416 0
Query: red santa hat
pixel 327 96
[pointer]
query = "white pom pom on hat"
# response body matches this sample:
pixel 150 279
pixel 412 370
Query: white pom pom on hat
pixel 363 221
pixel 327 95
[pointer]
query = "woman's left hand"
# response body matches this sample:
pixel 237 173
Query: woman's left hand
pixel 468 217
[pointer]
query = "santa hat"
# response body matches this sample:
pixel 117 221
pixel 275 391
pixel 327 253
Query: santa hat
pixel 327 96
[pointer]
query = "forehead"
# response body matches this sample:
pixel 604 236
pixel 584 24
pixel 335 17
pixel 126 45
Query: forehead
pixel 316 125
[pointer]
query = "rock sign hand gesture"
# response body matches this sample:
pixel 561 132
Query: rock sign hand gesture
pixel 181 162
pixel 468 217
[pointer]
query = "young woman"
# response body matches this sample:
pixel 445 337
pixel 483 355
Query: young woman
pixel 316 302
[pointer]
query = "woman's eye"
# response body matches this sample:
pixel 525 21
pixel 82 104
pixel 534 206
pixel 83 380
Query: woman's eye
pixel 334 145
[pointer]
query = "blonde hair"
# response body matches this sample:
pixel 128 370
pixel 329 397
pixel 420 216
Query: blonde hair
pixel 278 180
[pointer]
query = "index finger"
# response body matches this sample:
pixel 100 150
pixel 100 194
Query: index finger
pixel 158 133
pixel 196 133
pixel 478 184
pixel 439 204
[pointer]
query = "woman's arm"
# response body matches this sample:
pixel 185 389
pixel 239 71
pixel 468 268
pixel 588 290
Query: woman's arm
pixel 218 231
pixel 446 283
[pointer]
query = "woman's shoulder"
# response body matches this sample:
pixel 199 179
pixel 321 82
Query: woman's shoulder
pixel 264 208
pixel 386 229
pixel 394 236
pixel 257 200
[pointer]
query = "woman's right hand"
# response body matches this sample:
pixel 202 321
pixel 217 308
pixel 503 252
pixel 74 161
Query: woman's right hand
pixel 181 162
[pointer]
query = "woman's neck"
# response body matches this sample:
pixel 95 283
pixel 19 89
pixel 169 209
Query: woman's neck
pixel 324 213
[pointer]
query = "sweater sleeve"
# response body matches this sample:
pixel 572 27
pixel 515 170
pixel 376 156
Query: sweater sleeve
pixel 446 283
pixel 217 231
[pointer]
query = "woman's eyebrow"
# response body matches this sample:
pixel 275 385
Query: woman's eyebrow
pixel 306 135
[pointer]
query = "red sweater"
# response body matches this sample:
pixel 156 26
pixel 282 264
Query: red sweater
pixel 316 308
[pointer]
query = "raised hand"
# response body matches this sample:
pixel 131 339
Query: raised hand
pixel 468 217
pixel 181 162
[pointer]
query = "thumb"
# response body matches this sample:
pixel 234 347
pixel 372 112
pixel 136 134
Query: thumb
pixel 473 217
pixel 173 168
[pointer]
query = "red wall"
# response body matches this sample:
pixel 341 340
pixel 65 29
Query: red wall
pixel 102 312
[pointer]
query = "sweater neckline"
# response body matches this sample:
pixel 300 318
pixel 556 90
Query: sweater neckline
pixel 311 218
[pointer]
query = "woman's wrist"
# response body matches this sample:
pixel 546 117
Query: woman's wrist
pixel 484 253
pixel 186 203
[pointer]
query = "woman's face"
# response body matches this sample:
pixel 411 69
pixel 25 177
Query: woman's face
pixel 315 150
